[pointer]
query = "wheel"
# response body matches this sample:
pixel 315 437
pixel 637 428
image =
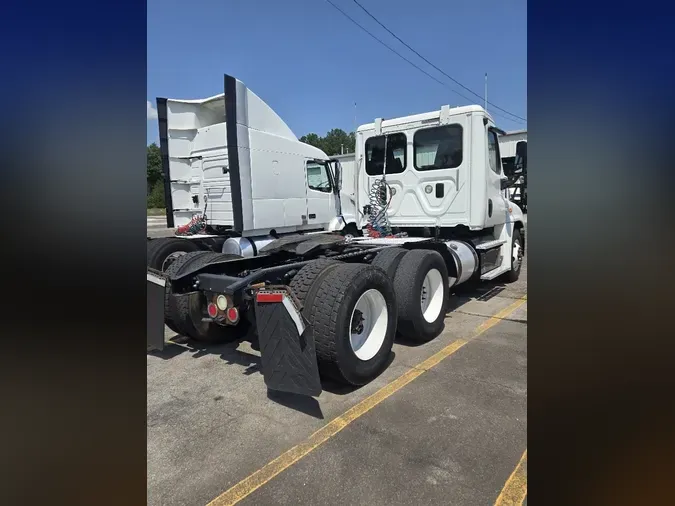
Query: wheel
pixel 161 253
pixel 421 286
pixel 183 315
pixel 303 280
pixel 517 254
pixel 351 231
pixel 388 260
pixel 351 309
pixel 172 272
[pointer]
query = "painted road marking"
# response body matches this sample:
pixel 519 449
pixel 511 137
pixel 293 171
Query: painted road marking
pixel 256 480
pixel 515 488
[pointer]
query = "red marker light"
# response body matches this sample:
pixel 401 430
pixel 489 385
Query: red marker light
pixel 233 314
pixel 212 309
pixel 269 297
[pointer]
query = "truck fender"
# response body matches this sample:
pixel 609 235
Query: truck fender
pixel 336 224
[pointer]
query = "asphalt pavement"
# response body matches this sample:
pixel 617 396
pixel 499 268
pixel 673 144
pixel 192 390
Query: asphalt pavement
pixel 444 424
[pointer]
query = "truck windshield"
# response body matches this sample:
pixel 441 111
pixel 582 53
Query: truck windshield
pixel 396 154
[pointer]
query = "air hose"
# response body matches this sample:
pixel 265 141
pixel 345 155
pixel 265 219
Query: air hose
pixel 196 225
pixel 378 221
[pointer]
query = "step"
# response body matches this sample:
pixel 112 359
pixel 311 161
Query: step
pixel 490 244
pixel 494 273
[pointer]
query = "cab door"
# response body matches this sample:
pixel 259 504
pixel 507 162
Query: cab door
pixel 320 198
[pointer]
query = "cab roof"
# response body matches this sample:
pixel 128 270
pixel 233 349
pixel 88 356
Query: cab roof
pixel 425 116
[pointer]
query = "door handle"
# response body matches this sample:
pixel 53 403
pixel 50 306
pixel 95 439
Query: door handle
pixel 312 216
pixel 440 190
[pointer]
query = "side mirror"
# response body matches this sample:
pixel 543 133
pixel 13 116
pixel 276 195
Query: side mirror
pixel 509 167
pixel 521 155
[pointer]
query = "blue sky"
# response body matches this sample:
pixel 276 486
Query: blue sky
pixel 310 63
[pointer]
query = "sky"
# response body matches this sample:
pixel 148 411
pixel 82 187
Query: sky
pixel 311 64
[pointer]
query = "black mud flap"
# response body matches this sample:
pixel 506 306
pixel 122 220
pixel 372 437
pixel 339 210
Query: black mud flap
pixel 155 311
pixel 286 346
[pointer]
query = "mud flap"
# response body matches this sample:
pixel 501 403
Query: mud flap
pixel 155 310
pixel 286 346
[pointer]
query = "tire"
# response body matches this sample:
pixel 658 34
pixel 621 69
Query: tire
pixel 302 281
pixel 152 245
pixel 516 251
pixel 167 248
pixel 179 311
pixel 388 260
pixel 418 270
pixel 351 230
pixel 330 308
pixel 173 271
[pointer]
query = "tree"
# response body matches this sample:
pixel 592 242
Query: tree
pixel 335 142
pixel 154 169
pixel 154 177
pixel 313 140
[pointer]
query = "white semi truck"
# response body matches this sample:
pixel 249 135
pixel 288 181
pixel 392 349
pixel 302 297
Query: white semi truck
pixel 232 160
pixel 424 211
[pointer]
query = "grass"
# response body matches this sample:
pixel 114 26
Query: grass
pixel 156 212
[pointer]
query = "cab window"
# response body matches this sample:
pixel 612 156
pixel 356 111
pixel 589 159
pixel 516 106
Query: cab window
pixel 493 152
pixel 396 154
pixel 317 177
pixel 438 147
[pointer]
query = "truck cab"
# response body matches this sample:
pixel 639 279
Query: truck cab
pixel 442 169
pixel 232 158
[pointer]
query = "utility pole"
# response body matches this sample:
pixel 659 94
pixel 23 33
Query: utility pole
pixel 486 91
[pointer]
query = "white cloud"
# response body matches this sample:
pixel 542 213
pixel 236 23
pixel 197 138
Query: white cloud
pixel 152 112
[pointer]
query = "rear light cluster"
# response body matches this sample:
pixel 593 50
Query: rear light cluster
pixel 222 308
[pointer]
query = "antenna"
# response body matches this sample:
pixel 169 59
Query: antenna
pixel 354 126
pixel 486 102
pixel 354 118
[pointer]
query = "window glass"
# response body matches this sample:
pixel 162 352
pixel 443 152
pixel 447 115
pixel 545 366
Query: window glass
pixel 493 152
pixel 438 147
pixel 396 154
pixel 317 177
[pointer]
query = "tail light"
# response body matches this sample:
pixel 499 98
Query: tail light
pixel 212 309
pixel 233 315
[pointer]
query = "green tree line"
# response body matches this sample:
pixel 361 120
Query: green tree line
pixel 155 178
pixel 333 143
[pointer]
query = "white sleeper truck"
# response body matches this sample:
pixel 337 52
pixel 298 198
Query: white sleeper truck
pixel 234 170
pixel 428 212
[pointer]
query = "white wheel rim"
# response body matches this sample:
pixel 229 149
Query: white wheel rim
pixel 515 261
pixel 368 324
pixel 431 296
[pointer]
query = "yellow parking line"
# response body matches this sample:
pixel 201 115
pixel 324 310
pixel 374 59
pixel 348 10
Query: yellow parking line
pixel 515 488
pixel 287 459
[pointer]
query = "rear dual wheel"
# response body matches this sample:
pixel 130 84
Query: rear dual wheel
pixel 420 279
pixel 351 309
pixel 354 309
pixel 163 252
pixel 184 314
pixel 421 286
